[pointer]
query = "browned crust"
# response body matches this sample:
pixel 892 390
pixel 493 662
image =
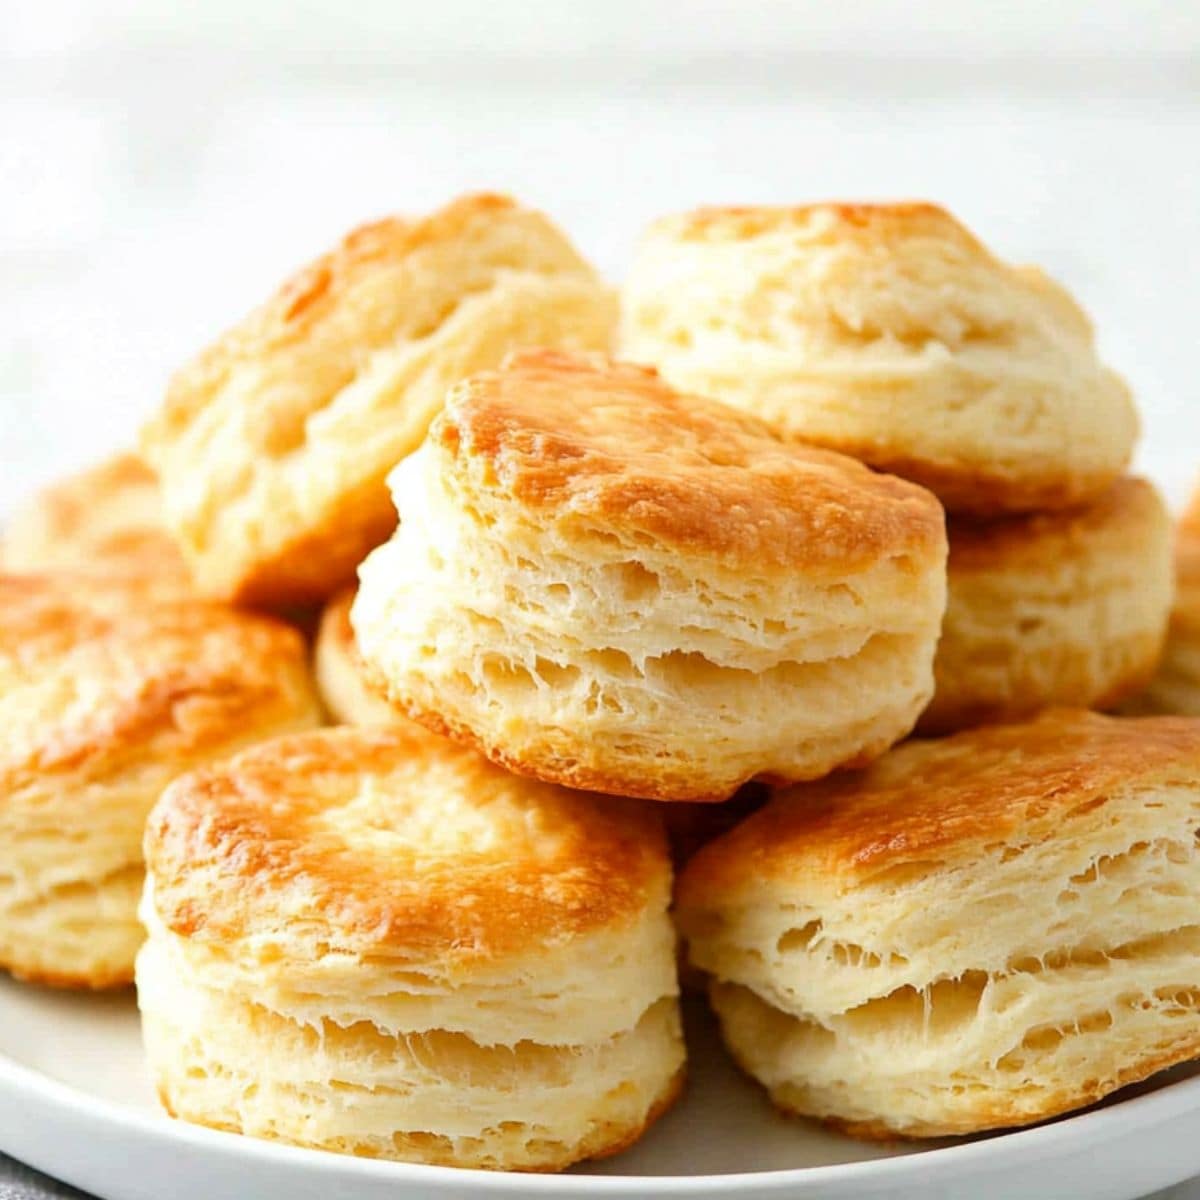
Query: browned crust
pixel 1189 521
pixel 607 449
pixel 1125 511
pixel 659 1109
pixel 319 559
pixel 943 798
pixel 196 672
pixel 972 489
pixel 308 298
pixel 232 847
pixel 70 523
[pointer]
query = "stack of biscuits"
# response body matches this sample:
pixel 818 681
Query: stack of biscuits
pixel 454 604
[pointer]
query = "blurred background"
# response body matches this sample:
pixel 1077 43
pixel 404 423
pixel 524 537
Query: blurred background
pixel 163 166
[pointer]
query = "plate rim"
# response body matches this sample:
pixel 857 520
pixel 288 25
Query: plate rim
pixel 935 1164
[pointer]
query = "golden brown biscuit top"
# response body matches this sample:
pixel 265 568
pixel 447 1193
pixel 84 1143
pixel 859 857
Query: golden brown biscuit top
pixel 1122 512
pixel 96 672
pixel 609 450
pixel 108 516
pixel 386 280
pixel 906 272
pixel 396 841
pixel 943 799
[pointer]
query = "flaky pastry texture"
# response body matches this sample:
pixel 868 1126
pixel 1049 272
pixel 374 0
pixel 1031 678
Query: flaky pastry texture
pixel 273 446
pixel 602 582
pixel 977 932
pixel 1052 609
pixel 890 333
pixel 373 941
pixel 107 692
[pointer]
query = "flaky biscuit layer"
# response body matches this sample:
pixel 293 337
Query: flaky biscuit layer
pixel 890 333
pixel 601 582
pixel 979 931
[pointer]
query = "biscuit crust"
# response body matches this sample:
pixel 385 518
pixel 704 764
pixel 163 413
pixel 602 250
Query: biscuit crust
pixel 107 517
pixel 890 333
pixel 372 941
pixel 599 582
pixel 831 924
pixel 274 444
pixel 605 448
pixel 1061 608
pixel 228 846
pixel 108 689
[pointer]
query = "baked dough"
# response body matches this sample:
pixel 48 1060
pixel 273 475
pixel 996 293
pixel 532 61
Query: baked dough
pixel 348 694
pixel 977 932
pixel 1066 608
pixel 607 584
pixel 105 518
pixel 1176 686
pixel 371 940
pixel 107 692
pixel 888 332
pixel 274 444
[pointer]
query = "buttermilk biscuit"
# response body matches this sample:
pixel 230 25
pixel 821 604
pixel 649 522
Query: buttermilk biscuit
pixel 1176 687
pixel 1066 608
pixel 604 583
pixel 348 694
pixel 373 941
pixel 106 518
pixel 274 444
pixel 890 333
pixel 976 932
pixel 107 692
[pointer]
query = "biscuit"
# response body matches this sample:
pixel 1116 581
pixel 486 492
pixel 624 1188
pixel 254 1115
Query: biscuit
pixel 1176 686
pixel 107 517
pixel 274 444
pixel 890 333
pixel 603 583
pixel 348 694
pixel 977 932
pixel 371 940
pixel 1066 608
pixel 108 692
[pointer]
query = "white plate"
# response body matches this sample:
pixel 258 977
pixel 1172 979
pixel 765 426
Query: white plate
pixel 75 1102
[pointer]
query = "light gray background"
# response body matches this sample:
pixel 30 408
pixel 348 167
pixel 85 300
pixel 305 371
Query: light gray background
pixel 161 166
